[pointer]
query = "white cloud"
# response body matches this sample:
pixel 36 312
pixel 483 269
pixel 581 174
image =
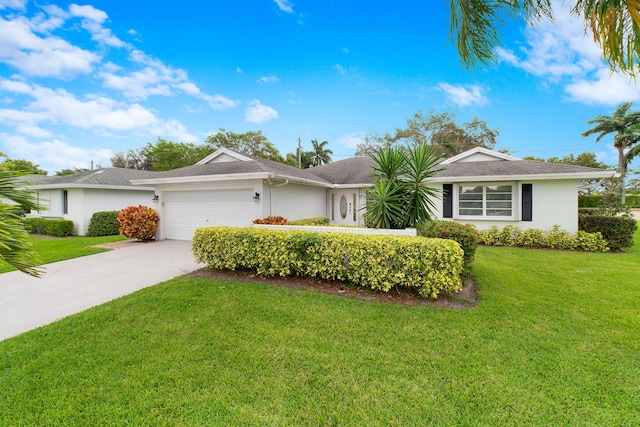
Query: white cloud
pixel 239 70
pixel 464 95
pixel 268 79
pixel 33 131
pixel 340 69
pixel 562 53
pixel 13 4
pixel 256 112
pixel 55 154
pixel 38 56
pixel 88 12
pixel 284 5
pixel 603 89
pixel 351 140
pixel 98 113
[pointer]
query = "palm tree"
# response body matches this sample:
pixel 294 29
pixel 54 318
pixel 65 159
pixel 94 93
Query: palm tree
pixel 615 25
pixel 621 123
pixel 320 155
pixel 15 248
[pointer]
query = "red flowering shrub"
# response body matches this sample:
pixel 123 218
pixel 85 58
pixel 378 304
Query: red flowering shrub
pixel 271 220
pixel 138 222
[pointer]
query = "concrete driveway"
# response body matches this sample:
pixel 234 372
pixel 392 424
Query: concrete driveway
pixel 74 285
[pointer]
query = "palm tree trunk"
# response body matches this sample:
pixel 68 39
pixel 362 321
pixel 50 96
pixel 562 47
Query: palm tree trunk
pixel 622 166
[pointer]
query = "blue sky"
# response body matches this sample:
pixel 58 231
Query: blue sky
pixel 81 81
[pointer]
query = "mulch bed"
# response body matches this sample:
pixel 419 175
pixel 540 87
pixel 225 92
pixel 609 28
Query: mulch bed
pixel 466 298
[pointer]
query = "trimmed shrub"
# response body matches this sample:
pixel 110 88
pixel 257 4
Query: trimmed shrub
pixel 59 227
pixel 431 266
pixel 104 224
pixel 590 201
pixel 535 238
pixel 138 222
pixel 617 230
pixel 35 225
pixel 318 221
pixel 271 220
pixel 465 234
pixel 52 227
pixel 633 200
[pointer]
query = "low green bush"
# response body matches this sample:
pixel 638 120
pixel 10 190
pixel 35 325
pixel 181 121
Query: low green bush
pixel 103 224
pixel 432 266
pixel 465 234
pixel 315 222
pixel 59 227
pixel 617 230
pixel 633 200
pixel 35 225
pixel 52 227
pixel 535 238
pixel 590 201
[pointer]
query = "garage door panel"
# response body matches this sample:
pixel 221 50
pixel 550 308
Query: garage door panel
pixel 186 211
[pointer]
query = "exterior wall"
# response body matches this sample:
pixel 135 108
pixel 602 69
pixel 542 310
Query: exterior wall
pixel 84 202
pixel 295 201
pixel 554 203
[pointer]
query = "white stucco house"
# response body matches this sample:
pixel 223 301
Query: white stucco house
pixel 479 187
pixel 77 197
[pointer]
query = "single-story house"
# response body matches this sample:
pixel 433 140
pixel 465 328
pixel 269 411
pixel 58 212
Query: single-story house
pixel 480 187
pixel 77 197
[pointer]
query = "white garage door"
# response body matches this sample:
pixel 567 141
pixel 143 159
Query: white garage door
pixel 185 211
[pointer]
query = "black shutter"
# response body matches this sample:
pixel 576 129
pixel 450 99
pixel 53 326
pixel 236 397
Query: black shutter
pixel 527 202
pixel 447 200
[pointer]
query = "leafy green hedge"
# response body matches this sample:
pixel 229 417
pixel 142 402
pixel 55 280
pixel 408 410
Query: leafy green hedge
pixel 633 200
pixel 535 238
pixel 432 266
pixel 465 234
pixel 315 222
pixel 596 201
pixel 52 227
pixel 617 230
pixel 104 224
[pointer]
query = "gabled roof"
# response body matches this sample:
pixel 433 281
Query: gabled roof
pixel 478 164
pixel 107 178
pixel 225 165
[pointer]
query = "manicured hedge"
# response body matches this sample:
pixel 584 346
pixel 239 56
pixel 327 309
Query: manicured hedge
pixel 596 201
pixel 104 224
pixel 617 230
pixel 465 234
pixel 314 222
pixel 379 262
pixel 535 238
pixel 51 227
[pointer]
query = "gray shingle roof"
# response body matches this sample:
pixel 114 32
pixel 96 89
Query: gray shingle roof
pixel 510 168
pixel 357 170
pixel 107 176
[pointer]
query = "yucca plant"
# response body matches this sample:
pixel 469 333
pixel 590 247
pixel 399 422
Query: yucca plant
pixel 400 196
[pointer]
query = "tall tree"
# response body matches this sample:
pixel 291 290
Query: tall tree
pixel 15 247
pixel 21 166
pixel 438 130
pixel 320 155
pixel 253 143
pixel 134 159
pixel 166 155
pixel 475 27
pixel 621 123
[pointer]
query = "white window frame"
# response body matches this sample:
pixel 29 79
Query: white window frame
pixel 515 194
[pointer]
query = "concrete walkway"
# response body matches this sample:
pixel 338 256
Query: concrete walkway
pixel 74 285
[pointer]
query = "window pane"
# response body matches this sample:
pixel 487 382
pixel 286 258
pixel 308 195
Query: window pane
pixel 499 189
pixel 498 212
pixel 472 212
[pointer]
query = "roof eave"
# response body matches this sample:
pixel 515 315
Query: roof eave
pixel 63 186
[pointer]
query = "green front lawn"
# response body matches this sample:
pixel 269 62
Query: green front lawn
pixel 553 341
pixel 52 249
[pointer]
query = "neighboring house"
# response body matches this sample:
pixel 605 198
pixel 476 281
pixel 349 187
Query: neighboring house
pixel 479 186
pixel 77 197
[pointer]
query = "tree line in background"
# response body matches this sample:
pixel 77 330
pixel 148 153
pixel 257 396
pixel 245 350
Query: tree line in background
pixel 166 155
